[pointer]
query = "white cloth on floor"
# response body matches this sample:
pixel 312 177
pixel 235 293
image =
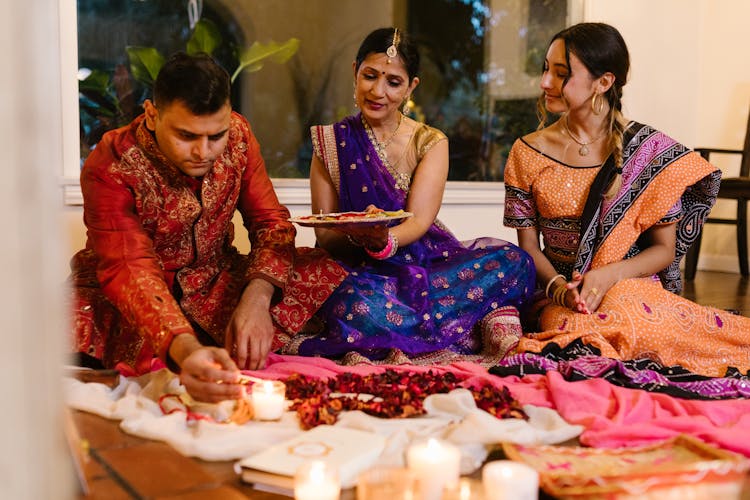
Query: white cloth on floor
pixel 453 417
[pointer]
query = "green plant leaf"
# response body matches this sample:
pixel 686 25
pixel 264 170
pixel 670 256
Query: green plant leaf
pixel 205 38
pixel 96 96
pixel 95 110
pixel 97 81
pixel 145 63
pixel 253 58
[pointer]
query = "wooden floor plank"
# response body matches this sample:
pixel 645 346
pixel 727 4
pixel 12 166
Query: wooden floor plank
pixel 721 290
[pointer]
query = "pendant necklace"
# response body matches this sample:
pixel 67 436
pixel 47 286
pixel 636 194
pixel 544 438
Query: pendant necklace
pixel 583 150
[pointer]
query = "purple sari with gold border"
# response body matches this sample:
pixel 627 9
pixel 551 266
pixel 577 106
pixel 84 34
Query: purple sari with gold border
pixel 430 295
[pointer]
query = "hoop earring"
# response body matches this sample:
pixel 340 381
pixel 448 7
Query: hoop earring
pixel 597 109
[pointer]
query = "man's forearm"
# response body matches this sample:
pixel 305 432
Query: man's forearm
pixel 182 346
pixel 259 291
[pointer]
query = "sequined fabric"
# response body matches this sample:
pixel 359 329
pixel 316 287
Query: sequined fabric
pixel 159 259
pixel 429 297
pixel 638 318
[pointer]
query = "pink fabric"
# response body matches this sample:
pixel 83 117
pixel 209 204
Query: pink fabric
pixel 613 416
pixel 616 416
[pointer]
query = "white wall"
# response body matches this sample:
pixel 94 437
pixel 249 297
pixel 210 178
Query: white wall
pixel 689 77
pixel 469 209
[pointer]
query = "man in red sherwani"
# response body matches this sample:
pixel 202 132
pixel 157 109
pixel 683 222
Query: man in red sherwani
pixel 159 276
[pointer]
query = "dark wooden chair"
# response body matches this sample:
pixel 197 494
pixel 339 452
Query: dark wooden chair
pixel 732 188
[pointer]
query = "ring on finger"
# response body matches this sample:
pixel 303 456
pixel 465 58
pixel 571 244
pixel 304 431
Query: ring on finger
pixel 594 291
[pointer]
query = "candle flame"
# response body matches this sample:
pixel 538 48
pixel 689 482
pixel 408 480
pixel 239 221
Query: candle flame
pixel 318 471
pixel 465 490
pixel 433 445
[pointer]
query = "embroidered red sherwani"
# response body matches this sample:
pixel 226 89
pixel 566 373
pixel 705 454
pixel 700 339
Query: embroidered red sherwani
pixel 159 257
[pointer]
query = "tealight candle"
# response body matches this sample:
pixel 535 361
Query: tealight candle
pixel 386 482
pixel 436 465
pixel 316 480
pixel 268 399
pixel 509 480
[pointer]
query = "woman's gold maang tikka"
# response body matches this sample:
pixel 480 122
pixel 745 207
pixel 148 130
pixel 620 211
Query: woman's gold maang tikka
pixel 392 51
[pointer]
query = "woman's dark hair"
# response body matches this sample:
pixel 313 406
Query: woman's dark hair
pixel 198 81
pixel 378 42
pixel 600 48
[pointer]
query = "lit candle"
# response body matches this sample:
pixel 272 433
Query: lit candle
pixel 466 489
pixel 436 465
pixel 316 480
pixel 386 482
pixel 268 399
pixel 509 480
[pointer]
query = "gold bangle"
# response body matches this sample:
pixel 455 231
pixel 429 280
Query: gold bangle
pixel 549 283
pixel 558 296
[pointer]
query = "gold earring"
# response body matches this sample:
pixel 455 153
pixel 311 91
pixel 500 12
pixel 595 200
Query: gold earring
pixel 597 109
pixel 405 107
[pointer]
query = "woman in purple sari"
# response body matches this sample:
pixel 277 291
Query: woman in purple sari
pixel 414 292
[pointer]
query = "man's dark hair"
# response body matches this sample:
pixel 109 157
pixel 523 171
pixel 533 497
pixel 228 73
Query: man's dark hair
pixel 197 81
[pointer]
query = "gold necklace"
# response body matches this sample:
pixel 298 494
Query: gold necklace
pixel 381 147
pixel 584 149
pixel 403 180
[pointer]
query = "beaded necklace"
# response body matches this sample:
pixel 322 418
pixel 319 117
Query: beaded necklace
pixel 402 179
pixel 383 146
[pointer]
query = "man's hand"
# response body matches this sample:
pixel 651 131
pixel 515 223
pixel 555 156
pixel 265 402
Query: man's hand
pixel 250 331
pixel 208 373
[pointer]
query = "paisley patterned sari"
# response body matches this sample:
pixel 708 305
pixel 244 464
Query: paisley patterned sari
pixel 663 182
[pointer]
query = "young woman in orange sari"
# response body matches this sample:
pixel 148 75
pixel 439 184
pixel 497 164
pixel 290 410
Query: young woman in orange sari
pixel 617 204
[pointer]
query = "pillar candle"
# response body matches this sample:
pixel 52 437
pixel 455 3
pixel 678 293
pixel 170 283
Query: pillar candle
pixel 509 480
pixel 436 464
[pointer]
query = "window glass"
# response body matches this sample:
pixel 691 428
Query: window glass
pixel 110 95
pixel 479 76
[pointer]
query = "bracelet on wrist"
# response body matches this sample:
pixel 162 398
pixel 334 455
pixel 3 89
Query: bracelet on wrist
pixel 388 251
pixel 558 295
pixel 549 284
